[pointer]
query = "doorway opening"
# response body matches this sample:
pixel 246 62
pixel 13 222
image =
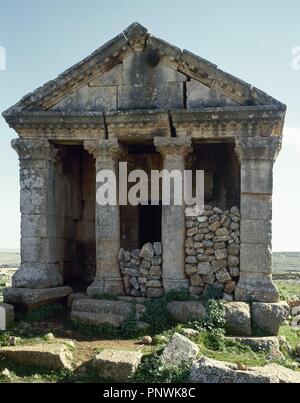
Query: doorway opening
pixel 150 219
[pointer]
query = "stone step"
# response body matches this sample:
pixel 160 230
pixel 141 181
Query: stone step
pixel 96 312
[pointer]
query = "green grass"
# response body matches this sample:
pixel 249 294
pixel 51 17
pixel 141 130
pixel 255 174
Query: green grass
pixel 292 336
pixel 288 289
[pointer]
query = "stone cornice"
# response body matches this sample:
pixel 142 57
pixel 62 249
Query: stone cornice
pixel 258 148
pixel 143 125
pixel 59 125
pixel 229 122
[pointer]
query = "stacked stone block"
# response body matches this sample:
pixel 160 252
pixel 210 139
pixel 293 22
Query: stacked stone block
pixel 213 250
pixel 142 271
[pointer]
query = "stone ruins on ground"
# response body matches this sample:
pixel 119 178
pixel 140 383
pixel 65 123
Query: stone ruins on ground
pixel 140 100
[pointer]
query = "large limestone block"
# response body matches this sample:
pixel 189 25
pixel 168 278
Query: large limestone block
pixel 238 319
pixel 201 96
pixel 96 319
pixel 256 206
pixel 110 78
pixel 35 202
pixel 184 312
pixel 269 317
pixel 7 316
pixel 37 275
pixel 33 178
pixel 211 371
pixel 23 298
pixel 136 70
pixel 179 350
pixel 164 96
pixel 117 366
pixel 97 312
pixel 256 258
pixel 268 344
pixel 75 297
pixel 256 231
pixel 34 226
pixel 257 177
pixel 52 356
pixel 283 375
pixel 89 99
pixel 257 287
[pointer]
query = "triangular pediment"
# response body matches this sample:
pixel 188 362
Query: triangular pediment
pixel 138 71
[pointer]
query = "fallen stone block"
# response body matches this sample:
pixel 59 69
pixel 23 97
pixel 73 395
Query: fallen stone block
pixel 52 356
pixel 210 371
pixel 238 319
pixel 117 366
pixel 268 318
pixel 180 349
pixel 282 374
pixel 27 299
pixel 7 316
pixel 267 344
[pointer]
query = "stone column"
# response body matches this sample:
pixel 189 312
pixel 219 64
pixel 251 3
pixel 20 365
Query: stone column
pixel 174 152
pixel 39 267
pixel 257 156
pixel 108 233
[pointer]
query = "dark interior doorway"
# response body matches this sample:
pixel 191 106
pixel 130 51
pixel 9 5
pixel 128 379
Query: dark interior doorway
pixel 150 224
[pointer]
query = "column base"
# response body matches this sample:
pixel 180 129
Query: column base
pixel 106 286
pixel 175 285
pixel 37 276
pixel 256 287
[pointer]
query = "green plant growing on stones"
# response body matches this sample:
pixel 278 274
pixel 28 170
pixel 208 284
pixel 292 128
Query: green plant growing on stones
pixel 151 371
pixel 128 330
pixel 181 295
pixel 43 313
pixel 157 315
pixel 212 293
pixel 4 338
pixel 107 332
pixel 212 328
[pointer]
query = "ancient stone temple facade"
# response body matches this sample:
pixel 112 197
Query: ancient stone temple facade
pixel 139 100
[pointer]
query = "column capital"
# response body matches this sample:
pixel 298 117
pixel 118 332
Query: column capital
pixel 35 149
pixel 172 147
pixel 103 150
pixel 258 148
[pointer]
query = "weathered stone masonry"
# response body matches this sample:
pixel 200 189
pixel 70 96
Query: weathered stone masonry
pixel 140 100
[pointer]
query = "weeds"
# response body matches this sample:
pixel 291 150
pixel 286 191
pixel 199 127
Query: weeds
pixel 43 313
pixel 151 371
